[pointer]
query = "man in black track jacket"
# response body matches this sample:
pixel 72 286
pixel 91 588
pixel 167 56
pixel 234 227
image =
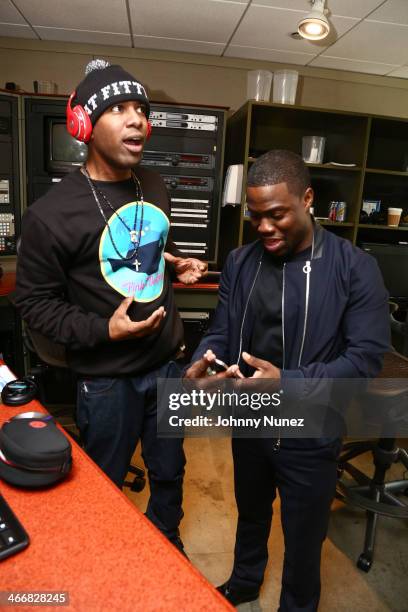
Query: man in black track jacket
pixel 300 303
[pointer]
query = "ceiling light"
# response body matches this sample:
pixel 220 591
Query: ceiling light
pixel 315 25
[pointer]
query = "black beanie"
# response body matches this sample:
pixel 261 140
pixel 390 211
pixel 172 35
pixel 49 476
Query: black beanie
pixel 105 85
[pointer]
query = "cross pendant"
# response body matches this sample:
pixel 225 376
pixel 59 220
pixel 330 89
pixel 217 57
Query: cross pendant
pixel 137 263
pixel 133 235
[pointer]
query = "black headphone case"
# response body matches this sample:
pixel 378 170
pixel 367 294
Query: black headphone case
pixel 35 452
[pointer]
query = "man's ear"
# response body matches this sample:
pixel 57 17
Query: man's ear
pixel 308 197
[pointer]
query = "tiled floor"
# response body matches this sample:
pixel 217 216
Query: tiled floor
pixel 208 532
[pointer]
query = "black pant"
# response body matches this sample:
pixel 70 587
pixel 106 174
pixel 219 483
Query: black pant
pixel 306 481
pixel 112 415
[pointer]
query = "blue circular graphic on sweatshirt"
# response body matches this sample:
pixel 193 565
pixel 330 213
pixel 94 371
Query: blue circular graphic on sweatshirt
pixel 141 274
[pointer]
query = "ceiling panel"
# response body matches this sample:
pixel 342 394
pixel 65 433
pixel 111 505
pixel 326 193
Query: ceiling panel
pixel 401 72
pixel 291 5
pixel 271 55
pixel 372 41
pixel 395 11
pixel 377 45
pixel 84 36
pixel 352 8
pixel 200 20
pixel 9 14
pixel 270 28
pixel 344 8
pixel 340 63
pixel 175 44
pixel 16 31
pixel 93 15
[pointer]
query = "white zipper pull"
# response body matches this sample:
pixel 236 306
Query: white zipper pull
pixel 307 268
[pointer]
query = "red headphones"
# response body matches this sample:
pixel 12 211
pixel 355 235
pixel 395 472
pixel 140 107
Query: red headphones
pixel 79 123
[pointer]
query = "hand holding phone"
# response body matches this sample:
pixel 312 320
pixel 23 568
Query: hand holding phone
pixel 207 366
pixel 216 367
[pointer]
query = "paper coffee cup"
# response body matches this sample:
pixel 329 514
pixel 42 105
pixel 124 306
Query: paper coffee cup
pixel 394 216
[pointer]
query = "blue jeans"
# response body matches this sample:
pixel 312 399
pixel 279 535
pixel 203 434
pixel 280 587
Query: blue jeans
pixel 113 414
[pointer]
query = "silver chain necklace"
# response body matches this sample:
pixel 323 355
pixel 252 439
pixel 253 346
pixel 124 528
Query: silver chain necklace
pixel 134 235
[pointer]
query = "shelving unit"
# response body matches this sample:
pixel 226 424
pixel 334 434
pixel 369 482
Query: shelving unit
pixel 376 146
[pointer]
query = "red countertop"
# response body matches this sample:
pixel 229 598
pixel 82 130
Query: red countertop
pixel 88 539
pixel 8 284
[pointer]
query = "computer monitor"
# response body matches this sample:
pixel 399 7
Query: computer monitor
pixel 63 153
pixel 392 260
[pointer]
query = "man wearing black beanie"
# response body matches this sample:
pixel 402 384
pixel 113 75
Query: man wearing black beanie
pixel 93 276
pixel 105 85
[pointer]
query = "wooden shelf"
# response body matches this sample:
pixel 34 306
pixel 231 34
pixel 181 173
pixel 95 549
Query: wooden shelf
pixel 369 141
pixel 381 227
pixel 329 223
pixel 389 172
pixel 327 166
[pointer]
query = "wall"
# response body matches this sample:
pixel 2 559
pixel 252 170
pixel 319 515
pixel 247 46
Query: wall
pixel 199 79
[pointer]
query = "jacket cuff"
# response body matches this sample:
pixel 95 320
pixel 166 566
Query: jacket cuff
pixel 100 330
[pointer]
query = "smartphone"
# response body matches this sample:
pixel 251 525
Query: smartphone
pixel 216 367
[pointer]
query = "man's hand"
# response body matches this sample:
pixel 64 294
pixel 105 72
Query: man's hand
pixel 200 367
pixel 121 327
pixel 188 270
pixel 201 378
pixel 263 369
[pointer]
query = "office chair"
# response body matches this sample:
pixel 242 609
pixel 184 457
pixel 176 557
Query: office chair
pixel 399 325
pixel 376 495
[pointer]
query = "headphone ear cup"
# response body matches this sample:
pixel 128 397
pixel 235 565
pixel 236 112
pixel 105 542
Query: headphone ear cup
pixel 78 122
pixel 149 130
pixel 83 123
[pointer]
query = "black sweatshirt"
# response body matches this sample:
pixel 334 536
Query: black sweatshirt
pixel 74 269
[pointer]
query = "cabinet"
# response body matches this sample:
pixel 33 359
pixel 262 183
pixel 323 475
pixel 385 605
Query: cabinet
pixel 9 174
pixel 372 149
